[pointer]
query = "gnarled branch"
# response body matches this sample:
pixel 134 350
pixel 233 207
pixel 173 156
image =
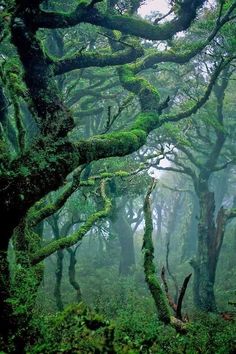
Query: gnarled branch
pixel 66 242
pixel 126 24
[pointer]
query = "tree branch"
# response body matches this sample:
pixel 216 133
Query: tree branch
pixel 170 300
pixel 35 215
pixel 95 59
pixel 200 103
pixel 66 242
pixel 186 55
pixel 123 23
pixel 181 297
pixel 149 267
pixel 222 167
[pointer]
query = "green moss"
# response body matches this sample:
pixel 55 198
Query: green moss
pixel 66 242
pixel 118 144
pixel 149 267
pixel 122 174
pixel 114 174
pixel 134 26
pixel 89 182
pixel 148 95
pixel 146 122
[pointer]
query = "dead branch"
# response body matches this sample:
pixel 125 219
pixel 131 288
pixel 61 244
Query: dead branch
pixel 181 297
pixel 170 300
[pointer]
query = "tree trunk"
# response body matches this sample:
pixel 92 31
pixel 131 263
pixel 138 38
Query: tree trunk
pixel 158 295
pixel 72 274
pixel 59 267
pixel 25 282
pixel 6 324
pixel 205 263
pixel 125 235
pixel 58 274
pixel 190 239
pixel 171 227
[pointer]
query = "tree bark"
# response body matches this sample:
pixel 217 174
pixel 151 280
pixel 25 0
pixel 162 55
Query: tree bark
pixel 149 267
pixel 58 274
pixel 125 236
pixel 72 274
pixel 59 266
pixel 205 265
pixel 190 239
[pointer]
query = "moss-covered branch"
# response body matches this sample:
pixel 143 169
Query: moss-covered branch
pixel 148 95
pixel 96 59
pixel 183 55
pixel 184 114
pixel 36 214
pixel 66 242
pixel 12 80
pixel 158 295
pixel 124 23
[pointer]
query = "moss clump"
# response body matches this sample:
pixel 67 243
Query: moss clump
pixel 146 122
pixel 119 144
pixel 148 95
pixel 114 174
pixel 90 182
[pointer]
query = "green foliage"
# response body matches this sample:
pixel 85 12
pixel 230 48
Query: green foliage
pixel 136 328
pixel 75 330
pixel 22 289
pixel 12 77
pixel 139 332
pixel 4 154
pixel 136 322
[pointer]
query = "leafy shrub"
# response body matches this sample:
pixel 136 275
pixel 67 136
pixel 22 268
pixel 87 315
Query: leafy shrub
pixel 75 330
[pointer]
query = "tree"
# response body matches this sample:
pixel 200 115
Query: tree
pixel 202 156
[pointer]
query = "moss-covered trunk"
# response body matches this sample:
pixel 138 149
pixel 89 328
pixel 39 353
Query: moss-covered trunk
pixel 205 264
pixel 149 267
pixel 25 281
pixel 6 324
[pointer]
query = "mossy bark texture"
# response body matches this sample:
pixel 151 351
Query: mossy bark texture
pixel 149 267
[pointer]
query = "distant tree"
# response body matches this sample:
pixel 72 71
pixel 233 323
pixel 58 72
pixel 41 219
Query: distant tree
pixel 206 153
